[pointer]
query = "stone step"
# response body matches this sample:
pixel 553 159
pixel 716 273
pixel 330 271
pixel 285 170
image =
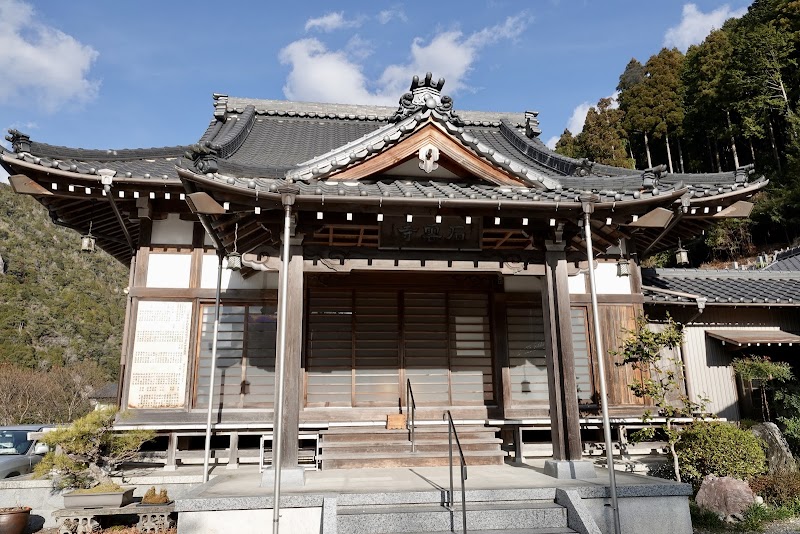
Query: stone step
pixel 355 460
pixel 490 444
pixel 490 516
pixel 421 432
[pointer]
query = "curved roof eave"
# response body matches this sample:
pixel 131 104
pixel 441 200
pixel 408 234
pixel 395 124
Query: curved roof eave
pixel 254 194
pixel 96 177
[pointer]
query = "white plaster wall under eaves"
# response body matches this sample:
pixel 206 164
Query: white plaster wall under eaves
pixel 169 270
pixel 233 279
pixel 608 283
pixel 172 231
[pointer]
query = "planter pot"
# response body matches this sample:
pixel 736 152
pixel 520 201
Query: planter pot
pixel 14 520
pixel 98 500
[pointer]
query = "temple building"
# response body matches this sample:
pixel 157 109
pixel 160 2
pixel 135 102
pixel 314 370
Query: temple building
pixel 436 257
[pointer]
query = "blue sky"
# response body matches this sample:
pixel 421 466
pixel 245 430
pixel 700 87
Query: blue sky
pixel 138 74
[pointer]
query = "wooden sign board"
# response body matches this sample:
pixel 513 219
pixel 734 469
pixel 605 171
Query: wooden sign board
pixel 424 233
pixel 160 355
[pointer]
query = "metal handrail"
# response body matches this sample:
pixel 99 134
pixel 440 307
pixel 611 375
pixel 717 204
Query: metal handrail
pixel 411 412
pixel 450 505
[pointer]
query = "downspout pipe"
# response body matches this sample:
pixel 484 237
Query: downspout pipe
pixel 588 209
pixel 288 193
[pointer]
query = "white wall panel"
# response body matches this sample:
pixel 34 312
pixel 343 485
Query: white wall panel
pixel 169 270
pixel 172 231
pixel 577 283
pixel 608 283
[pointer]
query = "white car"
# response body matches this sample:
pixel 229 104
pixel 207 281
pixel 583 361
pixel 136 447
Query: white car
pixel 18 454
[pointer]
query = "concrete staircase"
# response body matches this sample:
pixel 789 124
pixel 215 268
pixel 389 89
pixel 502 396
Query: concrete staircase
pixel 369 446
pixel 488 511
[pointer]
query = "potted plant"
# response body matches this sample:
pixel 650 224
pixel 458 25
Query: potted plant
pixel 86 455
pixel 153 498
pixel 14 520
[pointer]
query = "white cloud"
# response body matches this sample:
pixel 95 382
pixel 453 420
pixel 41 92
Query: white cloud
pixel 387 15
pixel 578 117
pixel 358 47
pixel 332 21
pixel 319 74
pixel 40 62
pixel 551 143
pixel 696 25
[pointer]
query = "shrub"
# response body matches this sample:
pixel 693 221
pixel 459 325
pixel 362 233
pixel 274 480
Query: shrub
pixel 778 489
pixel 721 449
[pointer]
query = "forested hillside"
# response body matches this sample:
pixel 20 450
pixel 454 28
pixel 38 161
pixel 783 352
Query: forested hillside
pixel 58 306
pixel 730 101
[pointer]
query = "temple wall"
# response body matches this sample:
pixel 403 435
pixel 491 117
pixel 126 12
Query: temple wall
pixel 169 271
pixel 172 231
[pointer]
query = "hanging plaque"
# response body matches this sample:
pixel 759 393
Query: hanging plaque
pixel 424 233
pixel 160 355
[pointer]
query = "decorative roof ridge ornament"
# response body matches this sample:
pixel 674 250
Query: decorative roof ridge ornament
pixel 532 124
pixel 741 174
pixel 423 95
pixel 204 158
pixel 583 167
pixel 651 177
pixel 20 142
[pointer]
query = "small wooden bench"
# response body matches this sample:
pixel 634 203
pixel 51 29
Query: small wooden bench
pixel 152 518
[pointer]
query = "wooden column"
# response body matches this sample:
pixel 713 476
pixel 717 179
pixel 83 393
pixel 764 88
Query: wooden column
pixel 564 413
pixel 292 388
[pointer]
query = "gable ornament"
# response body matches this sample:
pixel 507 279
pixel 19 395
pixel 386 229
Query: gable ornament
pixel 428 156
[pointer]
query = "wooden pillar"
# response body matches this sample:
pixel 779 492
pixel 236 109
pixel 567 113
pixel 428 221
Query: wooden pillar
pixel 292 387
pixel 233 451
pixel 564 413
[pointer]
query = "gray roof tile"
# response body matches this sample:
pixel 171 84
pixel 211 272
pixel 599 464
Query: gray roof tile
pixel 723 287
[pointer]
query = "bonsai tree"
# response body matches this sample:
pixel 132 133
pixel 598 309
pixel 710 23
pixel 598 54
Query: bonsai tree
pixel 89 451
pixel 764 370
pixel 661 380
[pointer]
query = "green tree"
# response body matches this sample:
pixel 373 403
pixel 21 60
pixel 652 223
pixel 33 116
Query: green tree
pixel 603 137
pixel 661 381
pixel 664 89
pixel 568 145
pixel 765 371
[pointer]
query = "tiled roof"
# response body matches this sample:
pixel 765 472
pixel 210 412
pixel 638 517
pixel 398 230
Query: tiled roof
pixel 722 287
pixel 786 260
pixel 255 144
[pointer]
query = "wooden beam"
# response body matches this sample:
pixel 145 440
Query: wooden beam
pixel 22 185
pixel 655 218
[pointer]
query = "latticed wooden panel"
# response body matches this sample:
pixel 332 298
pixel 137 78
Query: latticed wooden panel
pixel 246 346
pixel 527 351
pixel 364 343
pixel 426 343
pixel 581 345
